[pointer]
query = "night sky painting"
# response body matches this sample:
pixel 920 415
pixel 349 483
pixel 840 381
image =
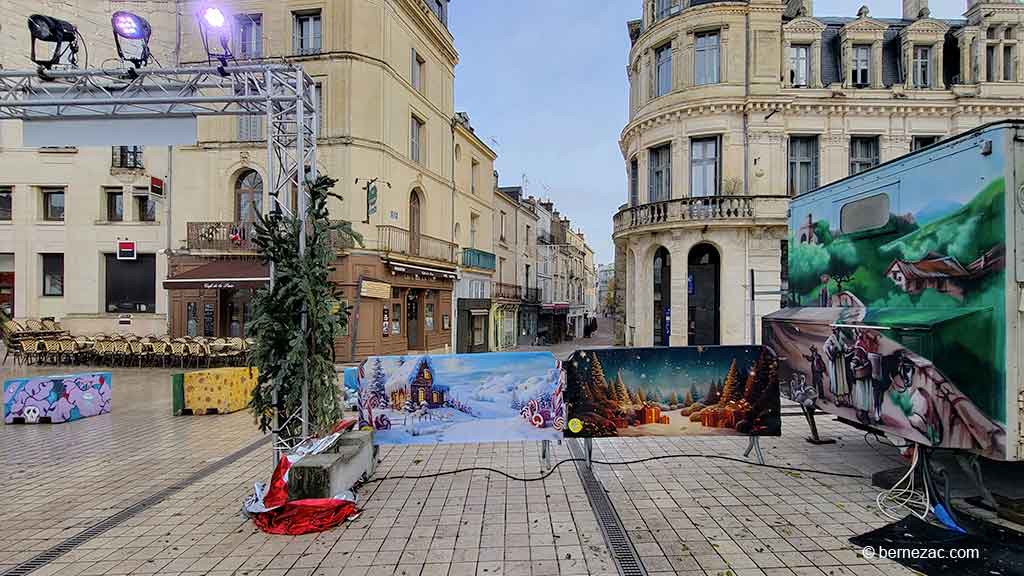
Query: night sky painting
pixel 689 391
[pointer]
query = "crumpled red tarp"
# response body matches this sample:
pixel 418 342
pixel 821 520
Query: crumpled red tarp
pixel 305 516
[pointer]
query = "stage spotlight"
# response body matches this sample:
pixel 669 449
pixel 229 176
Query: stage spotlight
pixel 131 35
pixel 62 34
pixel 212 21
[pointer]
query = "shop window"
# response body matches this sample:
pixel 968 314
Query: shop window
pixel 396 319
pixel 428 316
pixel 478 330
pixel 131 284
pixel 53 274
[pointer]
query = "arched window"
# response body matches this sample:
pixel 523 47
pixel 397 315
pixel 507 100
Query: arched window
pixel 704 287
pixel 662 297
pixel 414 223
pixel 248 196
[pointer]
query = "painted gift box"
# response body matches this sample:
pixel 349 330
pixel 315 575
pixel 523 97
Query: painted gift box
pixel 213 391
pixel 55 399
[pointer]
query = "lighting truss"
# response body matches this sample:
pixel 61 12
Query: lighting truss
pixel 282 93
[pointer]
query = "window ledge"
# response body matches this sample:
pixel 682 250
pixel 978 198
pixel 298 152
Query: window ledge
pixel 126 223
pixel 58 150
pixel 121 171
pixel 50 222
pixel 51 296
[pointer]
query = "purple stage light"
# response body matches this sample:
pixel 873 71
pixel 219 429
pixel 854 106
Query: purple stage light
pixel 214 17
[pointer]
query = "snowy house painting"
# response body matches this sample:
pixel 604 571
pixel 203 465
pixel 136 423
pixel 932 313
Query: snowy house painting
pixel 498 397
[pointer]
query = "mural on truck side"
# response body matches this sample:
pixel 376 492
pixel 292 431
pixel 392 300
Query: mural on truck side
pixel 689 391
pixel 927 288
pixel 54 399
pixel 497 397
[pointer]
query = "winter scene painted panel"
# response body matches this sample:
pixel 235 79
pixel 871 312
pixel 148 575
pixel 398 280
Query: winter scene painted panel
pixel 687 391
pixel 461 398
pixel 54 399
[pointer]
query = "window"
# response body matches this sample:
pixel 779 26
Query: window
pixel 474 223
pixel 250 128
pixel 1009 64
pixel 705 69
pixel 131 284
pixel 990 63
pixel 501 229
pixel 634 182
pixel 663 9
pixel 115 204
pixel 126 157
pixel 478 330
pixel 250 36
pixel 53 274
pixel 803 164
pixel 53 204
pixel 861 66
pixel 145 207
pixel 6 194
pixel 248 196
pixel 474 175
pixel 306 34
pixel 704 167
pixel 527 241
pixel 418 64
pixel 922 67
pixel 663 70
pixel 416 140
pixel 321 112
pixel 428 316
pixel 863 153
pixel 799 65
pixel 920 142
pixel 396 319
pixel 660 187
pixel 864 214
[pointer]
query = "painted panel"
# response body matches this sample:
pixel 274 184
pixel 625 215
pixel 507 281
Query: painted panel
pixel 219 390
pixel 901 327
pixel 687 391
pixel 55 399
pixel 454 398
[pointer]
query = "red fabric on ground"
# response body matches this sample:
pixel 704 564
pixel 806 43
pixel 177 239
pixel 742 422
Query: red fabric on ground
pixel 277 493
pixel 305 516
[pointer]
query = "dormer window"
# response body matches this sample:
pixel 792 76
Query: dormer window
pixel 861 66
pixel 922 67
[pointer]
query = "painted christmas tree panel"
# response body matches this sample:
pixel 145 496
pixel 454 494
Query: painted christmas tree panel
pixel 462 398
pixel 690 391
pixel 55 399
pixel 219 390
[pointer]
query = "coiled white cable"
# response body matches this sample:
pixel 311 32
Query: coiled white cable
pixel 905 496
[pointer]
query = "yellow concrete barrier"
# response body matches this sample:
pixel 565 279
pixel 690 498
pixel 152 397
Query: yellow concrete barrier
pixel 219 390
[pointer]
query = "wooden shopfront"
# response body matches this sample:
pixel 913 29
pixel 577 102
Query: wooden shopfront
pixel 213 298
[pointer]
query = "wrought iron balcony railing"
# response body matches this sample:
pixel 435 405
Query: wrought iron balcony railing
pixel 239 237
pixel 473 258
pixel 398 240
pixel 507 291
pixel 531 295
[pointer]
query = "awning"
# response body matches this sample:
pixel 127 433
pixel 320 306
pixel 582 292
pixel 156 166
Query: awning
pixel 222 274
pixel 422 270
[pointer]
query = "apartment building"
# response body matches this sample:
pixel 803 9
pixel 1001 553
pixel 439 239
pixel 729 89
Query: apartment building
pixel 515 303
pixel 735 106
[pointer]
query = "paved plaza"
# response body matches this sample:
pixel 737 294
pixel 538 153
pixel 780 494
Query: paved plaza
pixel 692 516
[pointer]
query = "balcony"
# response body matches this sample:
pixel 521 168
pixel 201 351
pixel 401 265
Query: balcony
pixel 232 237
pixel 544 238
pixel 473 258
pixel 507 291
pixel 395 240
pixel 702 211
pixel 239 238
pixel 531 295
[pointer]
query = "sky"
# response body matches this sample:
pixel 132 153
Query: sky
pixel 544 83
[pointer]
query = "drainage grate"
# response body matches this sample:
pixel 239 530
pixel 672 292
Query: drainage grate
pixel 47 556
pixel 626 559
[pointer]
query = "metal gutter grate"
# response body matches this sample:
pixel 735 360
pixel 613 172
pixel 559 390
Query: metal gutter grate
pixel 47 556
pixel 627 561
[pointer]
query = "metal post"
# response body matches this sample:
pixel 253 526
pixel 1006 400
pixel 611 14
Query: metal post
pixel 272 185
pixel 753 310
pixel 300 177
pixel 545 452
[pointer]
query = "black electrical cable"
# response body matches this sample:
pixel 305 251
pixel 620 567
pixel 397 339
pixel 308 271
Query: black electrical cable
pixel 623 463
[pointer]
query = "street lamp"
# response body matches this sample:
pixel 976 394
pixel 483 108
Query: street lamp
pixel 134 31
pixel 213 21
pixel 61 33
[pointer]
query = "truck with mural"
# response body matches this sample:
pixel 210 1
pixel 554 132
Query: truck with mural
pixel 905 305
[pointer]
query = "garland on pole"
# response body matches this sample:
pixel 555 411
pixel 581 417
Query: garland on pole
pixel 283 350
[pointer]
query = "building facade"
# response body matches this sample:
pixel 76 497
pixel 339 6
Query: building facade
pixel 737 105
pixel 605 288
pixel 475 185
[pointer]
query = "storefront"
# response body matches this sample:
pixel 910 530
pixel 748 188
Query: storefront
pixel 213 298
pixel 395 307
pixel 474 317
pixel 528 320
pixel 553 321
pixel 504 321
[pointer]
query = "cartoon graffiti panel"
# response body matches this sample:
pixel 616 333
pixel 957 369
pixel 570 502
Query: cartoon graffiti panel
pixel 686 391
pixel 220 390
pixel 55 399
pixel 454 398
pixel 928 274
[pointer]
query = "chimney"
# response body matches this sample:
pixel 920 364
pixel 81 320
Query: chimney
pixel 912 9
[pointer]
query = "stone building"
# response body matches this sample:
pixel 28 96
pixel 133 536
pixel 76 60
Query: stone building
pixel 737 105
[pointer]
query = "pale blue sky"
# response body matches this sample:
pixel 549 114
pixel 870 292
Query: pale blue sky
pixel 544 83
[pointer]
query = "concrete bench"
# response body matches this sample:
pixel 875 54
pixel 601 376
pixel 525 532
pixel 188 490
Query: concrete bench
pixel 325 475
pixel 55 399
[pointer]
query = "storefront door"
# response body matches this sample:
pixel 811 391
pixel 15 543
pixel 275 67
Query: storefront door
pixel 412 329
